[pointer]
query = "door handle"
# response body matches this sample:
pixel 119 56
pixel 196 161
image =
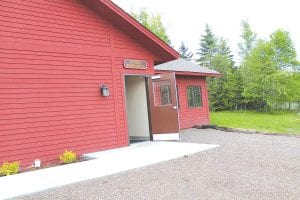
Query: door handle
pixel 175 107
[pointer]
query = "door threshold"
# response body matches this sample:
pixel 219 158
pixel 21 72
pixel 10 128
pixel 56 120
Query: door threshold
pixel 137 139
pixel 166 137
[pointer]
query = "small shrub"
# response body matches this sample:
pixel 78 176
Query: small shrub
pixel 68 157
pixel 8 168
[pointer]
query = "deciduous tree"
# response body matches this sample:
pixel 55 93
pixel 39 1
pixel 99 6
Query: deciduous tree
pixel 152 22
pixel 266 82
pixel 248 39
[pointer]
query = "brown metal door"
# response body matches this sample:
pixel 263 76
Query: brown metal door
pixel 163 104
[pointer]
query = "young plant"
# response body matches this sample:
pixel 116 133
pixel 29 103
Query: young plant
pixel 68 157
pixel 8 168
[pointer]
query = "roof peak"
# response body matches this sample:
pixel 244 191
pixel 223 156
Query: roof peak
pixel 128 24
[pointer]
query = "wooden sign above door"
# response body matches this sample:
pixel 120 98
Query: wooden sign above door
pixel 135 64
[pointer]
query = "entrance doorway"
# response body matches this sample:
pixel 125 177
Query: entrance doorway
pixel 137 108
pixel 152 108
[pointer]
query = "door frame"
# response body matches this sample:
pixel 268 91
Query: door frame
pixel 145 76
pixel 148 108
pixel 152 137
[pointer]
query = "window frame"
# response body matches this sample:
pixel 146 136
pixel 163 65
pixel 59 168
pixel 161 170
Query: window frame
pixel 193 97
pixel 178 100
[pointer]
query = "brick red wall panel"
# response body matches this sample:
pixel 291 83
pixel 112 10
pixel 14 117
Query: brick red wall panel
pixel 53 56
pixel 188 117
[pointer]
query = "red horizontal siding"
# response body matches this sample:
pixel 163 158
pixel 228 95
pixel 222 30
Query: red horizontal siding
pixel 76 143
pixel 53 56
pixel 39 23
pixel 49 158
pixel 188 117
pixel 51 66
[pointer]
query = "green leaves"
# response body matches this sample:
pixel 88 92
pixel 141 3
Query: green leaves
pixel 284 51
pixel 265 78
pixel 214 53
pixel 153 23
pixel 249 39
pixel 267 83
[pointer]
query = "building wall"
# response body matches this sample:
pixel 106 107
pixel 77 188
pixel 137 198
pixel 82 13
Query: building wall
pixel 188 117
pixel 53 56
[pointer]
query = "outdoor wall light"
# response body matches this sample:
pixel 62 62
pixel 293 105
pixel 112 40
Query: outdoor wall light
pixel 104 90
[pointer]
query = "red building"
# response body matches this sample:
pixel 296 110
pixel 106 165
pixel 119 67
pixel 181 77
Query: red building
pixel 80 75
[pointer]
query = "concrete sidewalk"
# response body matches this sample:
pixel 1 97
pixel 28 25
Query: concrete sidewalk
pixel 105 163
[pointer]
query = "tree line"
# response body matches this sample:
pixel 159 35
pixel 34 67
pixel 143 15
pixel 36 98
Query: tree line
pixel 265 78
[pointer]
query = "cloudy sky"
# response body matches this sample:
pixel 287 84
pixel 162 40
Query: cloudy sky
pixel 185 20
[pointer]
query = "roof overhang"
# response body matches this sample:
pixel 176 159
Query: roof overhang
pixel 128 24
pixel 190 73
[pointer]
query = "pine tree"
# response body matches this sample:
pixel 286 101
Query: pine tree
pixel 222 90
pixel 184 52
pixel 207 49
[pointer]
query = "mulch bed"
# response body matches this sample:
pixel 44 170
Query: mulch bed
pixel 48 165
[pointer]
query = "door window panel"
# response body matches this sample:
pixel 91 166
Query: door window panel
pixel 165 94
pixel 162 93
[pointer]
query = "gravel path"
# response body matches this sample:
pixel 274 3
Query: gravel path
pixel 246 166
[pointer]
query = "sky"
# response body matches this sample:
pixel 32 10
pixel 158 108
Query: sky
pixel 185 20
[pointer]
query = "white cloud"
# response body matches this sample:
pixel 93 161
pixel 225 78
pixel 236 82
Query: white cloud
pixel 185 20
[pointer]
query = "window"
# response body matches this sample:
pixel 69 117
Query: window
pixel 165 94
pixel 162 93
pixel 194 96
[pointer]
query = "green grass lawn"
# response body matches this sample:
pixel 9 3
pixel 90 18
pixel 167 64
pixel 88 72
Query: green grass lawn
pixel 281 122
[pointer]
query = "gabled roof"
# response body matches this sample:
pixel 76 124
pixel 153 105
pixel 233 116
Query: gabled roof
pixel 121 19
pixel 181 66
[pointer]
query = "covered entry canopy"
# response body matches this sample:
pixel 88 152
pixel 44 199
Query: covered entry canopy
pixel 184 67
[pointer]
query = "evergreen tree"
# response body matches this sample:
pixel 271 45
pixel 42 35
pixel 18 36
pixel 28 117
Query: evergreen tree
pixel 223 91
pixel 224 49
pixel 208 47
pixel 184 52
pixel 237 88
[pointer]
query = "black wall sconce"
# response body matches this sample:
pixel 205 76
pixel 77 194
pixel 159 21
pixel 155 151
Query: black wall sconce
pixel 104 90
